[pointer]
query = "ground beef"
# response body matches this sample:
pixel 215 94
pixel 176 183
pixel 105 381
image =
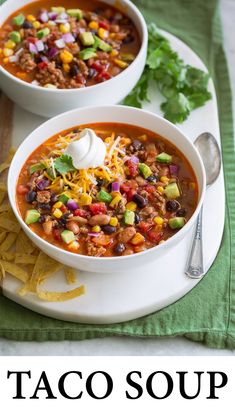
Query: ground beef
pixel 52 75
pixel 93 250
pixel 26 62
pixel 121 206
pixel 43 196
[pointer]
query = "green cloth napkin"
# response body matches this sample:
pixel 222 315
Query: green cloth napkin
pixel 207 313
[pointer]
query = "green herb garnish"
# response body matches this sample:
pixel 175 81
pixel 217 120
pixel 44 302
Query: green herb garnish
pixel 64 164
pixel 184 87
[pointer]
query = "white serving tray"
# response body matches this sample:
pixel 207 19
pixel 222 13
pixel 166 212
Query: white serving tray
pixel 120 297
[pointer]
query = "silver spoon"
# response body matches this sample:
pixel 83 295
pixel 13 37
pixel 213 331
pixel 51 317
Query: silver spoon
pixel 211 157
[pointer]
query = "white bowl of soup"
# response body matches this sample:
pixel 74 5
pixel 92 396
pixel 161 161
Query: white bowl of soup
pixel 134 207
pixel 74 54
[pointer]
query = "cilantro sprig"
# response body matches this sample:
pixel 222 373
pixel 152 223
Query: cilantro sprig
pixel 64 164
pixel 183 86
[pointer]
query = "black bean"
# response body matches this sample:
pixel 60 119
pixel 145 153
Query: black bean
pixel 31 196
pixel 74 71
pixel 136 144
pixel 92 73
pixel 119 248
pixel 42 219
pixel 137 218
pixel 64 218
pixel 139 200
pixel 54 198
pixel 108 229
pixel 152 179
pixel 181 212
pixel 172 205
pixel 44 206
pixel 76 130
pixel 128 39
pixel 99 10
pixel 27 25
pixel 100 183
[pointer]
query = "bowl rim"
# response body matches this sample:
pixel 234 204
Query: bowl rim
pixel 97 86
pixel 57 250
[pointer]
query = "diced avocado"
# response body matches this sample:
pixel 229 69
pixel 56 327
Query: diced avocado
pixel 36 167
pixel 99 43
pixel 75 13
pixel 43 32
pixel 176 222
pixel 32 216
pixel 87 39
pixel 15 36
pixel 87 53
pixel 63 198
pixel 18 20
pixel 164 158
pixel 67 236
pixel 172 191
pixel 104 196
pixel 145 170
pixel 58 9
pixel 129 217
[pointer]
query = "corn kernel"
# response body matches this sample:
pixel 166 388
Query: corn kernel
pixel 93 25
pixel 162 241
pixel 121 63
pixel 115 201
pixel 139 248
pixel 103 34
pixel 160 189
pixel 10 44
pixel 114 53
pixel 66 56
pixel 66 67
pixel 143 137
pixel 113 221
pixel 96 229
pixel 1 52
pixel 57 205
pixel 164 179
pixel 50 86
pixel 158 220
pixel 137 239
pixel 158 228
pixel 131 206
pixel 36 24
pixel 31 18
pixel 21 75
pixel 7 52
pixel 85 200
pixel 57 213
pixel 65 28
pixel 73 246
pixel 5 60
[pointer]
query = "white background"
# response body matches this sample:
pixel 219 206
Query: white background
pixel 134 346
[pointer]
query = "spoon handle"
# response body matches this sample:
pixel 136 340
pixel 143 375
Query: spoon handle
pixel 195 267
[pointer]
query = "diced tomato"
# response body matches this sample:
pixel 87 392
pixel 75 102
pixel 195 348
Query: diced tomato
pixel 63 208
pixel 97 66
pixel 144 226
pixel 42 65
pixel 104 25
pixel 98 208
pixel 105 75
pixel 102 240
pixel 130 193
pixel 31 39
pixel 155 236
pixel 57 234
pixel 150 188
pixel 81 213
pixel 22 189
pixel 133 168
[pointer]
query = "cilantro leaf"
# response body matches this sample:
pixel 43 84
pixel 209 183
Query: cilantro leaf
pixel 64 164
pixel 183 86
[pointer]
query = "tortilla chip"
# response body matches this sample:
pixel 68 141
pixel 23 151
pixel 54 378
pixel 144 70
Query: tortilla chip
pixel 9 225
pixel 61 296
pixel 44 267
pixel 3 187
pixel 9 256
pixel 70 275
pixel 24 258
pixel 24 244
pixel 2 235
pixel 2 195
pixel 8 242
pixel 15 270
pixel 4 208
pixel 2 272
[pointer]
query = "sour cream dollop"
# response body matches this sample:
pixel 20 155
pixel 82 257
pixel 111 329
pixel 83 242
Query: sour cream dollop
pixel 88 152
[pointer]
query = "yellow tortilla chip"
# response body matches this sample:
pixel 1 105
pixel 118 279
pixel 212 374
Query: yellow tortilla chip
pixel 61 296
pixel 9 256
pixel 4 166
pixel 70 275
pixel 9 225
pixel 4 208
pixel 2 195
pixel 24 244
pixel 3 235
pixel 8 242
pixel 3 187
pixel 2 272
pixel 15 270
pixel 23 258
pixel 44 267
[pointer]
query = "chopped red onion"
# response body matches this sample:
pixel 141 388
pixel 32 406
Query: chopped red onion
pixel 39 45
pixel 19 51
pixel 135 159
pixel 60 43
pixel 63 16
pixel 42 184
pixel 61 21
pixel 32 48
pixel 52 15
pixel 115 186
pixel 68 38
pixel 44 17
pixel 91 234
pixel 13 59
pixel 72 205
pixel 174 169
pixel 43 58
pixel 52 52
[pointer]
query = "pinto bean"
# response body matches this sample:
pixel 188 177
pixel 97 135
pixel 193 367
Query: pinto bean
pixel 78 219
pixel 73 226
pixel 99 219
pixel 126 235
pixel 47 227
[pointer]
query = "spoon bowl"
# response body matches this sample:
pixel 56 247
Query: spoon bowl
pixel 210 153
